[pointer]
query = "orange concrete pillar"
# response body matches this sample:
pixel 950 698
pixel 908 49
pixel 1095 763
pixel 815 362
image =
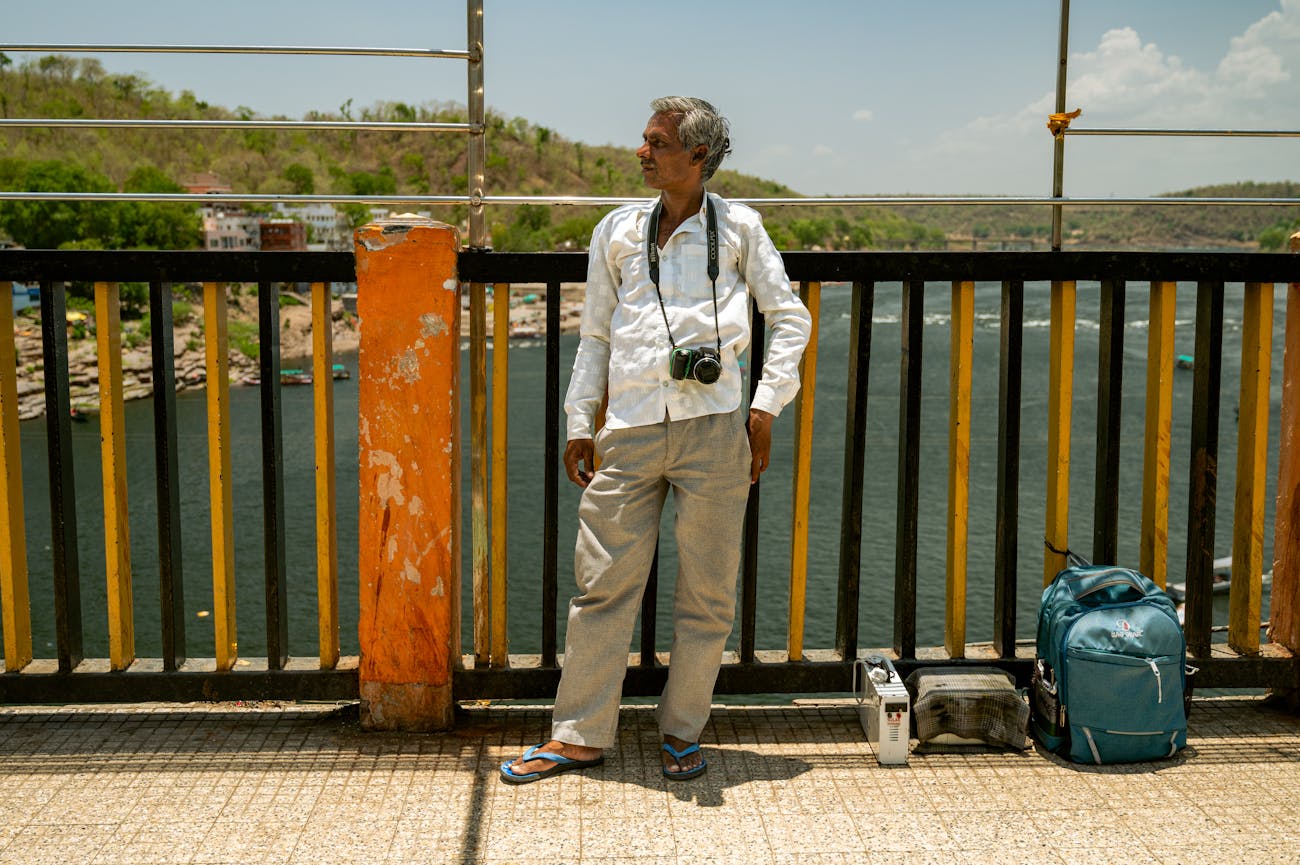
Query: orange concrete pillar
pixel 408 381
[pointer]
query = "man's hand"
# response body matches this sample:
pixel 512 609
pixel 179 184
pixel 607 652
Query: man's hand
pixel 760 442
pixel 580 453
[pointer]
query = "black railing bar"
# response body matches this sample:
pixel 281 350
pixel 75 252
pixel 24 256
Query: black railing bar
pixel 1007 503
pixel 1203 465
pixel 63 501
pixel 551 479
pixel 650 611
pixel 855 446
pixel 749 552
pixel 171 580
pixel 935 267
pixel 1185 133
pixel 273 530
pixel 908 502
pixel 1110 397
pixel 429 53
pixel 603 201
pixel 34 265
pixel 140 123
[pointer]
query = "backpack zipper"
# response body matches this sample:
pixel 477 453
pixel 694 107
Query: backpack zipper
pixel 1160 692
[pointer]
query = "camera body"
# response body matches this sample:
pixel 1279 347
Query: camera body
pixel 698 364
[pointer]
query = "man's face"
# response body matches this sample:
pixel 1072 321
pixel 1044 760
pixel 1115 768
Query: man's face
pixel 665 162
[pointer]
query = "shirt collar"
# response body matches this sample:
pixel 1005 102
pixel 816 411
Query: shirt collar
pixel 692 224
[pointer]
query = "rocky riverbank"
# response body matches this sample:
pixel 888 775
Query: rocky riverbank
pixel 527 320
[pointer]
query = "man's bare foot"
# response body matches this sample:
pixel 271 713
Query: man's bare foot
pixel 687 763
pixel 564 749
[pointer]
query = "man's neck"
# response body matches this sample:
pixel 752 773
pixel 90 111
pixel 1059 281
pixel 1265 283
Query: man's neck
pixel 679 205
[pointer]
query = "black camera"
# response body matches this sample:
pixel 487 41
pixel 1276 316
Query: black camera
pixel 701 364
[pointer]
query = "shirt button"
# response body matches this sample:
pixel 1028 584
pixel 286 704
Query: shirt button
pixel 665 384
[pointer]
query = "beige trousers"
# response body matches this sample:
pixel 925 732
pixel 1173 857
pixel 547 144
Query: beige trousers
pixel 705 462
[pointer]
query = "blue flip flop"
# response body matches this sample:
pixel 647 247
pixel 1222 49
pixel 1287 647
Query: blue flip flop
pixel 562 764
pixel 685 774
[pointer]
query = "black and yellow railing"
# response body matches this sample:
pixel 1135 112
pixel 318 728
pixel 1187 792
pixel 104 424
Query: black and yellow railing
pixel 176 675
pixel 1243 662
pixel 489 670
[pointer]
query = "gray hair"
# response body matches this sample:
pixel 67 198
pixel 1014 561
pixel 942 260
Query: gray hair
pixel 698 123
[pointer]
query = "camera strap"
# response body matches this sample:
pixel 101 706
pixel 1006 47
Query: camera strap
pixel 652 254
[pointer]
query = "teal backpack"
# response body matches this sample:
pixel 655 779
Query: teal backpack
pixel 1110 678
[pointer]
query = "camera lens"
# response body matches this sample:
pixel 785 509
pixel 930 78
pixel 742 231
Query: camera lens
pixel 707 369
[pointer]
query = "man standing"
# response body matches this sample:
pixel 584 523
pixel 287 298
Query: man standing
pixel 665 322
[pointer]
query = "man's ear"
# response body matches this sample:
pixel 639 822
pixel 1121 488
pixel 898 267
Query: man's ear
pixel 701 151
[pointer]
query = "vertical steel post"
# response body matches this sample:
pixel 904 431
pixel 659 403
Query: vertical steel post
pixel 1058 141
pixel 477 135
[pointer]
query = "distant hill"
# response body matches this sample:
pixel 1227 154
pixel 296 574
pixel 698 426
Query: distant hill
pixel 1125 226
pixel 523 158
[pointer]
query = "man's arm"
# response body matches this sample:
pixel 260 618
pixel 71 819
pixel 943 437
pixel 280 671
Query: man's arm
pixel 590 377
pixel 788 323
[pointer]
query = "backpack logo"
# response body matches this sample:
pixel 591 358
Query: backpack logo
pixel 1124 630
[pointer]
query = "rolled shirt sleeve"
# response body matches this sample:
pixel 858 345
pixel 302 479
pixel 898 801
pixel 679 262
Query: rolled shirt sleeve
pixel 787 321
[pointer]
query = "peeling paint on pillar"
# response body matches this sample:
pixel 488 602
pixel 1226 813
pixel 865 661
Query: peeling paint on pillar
pixel 408 380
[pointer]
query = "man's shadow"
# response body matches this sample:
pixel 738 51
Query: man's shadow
pixel 730 766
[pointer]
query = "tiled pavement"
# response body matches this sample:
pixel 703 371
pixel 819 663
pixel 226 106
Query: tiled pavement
pixel 226 783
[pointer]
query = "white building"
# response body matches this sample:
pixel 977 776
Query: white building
pixel 227 228
pixel 330 229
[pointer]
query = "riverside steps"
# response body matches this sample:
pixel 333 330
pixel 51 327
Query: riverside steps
pixel 404 736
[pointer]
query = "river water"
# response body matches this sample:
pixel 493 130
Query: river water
pixel 527 416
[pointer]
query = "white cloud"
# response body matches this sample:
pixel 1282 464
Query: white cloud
pixel 1259 57
pixel 863 114
pixel 1127 82
pixel 822 150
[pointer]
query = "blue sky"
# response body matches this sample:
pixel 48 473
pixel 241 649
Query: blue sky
pixel 870 97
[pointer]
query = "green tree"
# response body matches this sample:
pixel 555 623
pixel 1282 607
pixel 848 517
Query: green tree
pixel 357 214
pixel 51 224
pixel 528 231
pixel 1275 237
pixel 151 225
pixel 92 224
pixel 382 182
pixel 300 178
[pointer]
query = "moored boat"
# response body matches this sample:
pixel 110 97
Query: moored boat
pixel 295 376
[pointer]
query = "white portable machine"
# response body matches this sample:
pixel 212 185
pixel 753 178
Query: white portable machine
pixel 884 708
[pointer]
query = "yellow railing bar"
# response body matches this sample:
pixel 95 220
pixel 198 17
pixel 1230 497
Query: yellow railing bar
pixel 962 330
pixel 478 456
pixel 810 293
pixel 15 604
pixel 220 499
pixel 1252 460
pixel 112 446
pixel 1060 392
pixel 1153 552
pixel 327 570
pixel 500 430
pixel 1284 614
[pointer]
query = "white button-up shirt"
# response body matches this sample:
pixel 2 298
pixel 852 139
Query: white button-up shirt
pixel 625 346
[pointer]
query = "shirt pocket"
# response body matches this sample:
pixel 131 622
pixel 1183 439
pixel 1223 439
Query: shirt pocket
pixel 693 272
